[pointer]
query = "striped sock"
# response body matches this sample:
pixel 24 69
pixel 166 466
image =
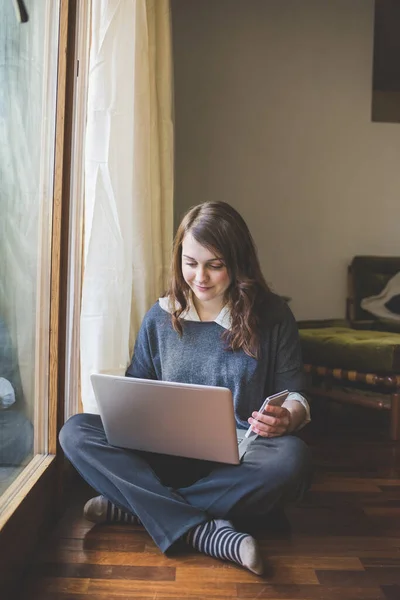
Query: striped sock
pixel 218 538
pixel 101 510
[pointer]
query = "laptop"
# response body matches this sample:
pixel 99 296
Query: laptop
pixel 181 419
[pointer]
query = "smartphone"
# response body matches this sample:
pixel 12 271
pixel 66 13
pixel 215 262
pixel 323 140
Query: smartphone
pixel 275 400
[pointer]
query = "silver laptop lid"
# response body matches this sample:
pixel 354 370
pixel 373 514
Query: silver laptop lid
pixel 181 419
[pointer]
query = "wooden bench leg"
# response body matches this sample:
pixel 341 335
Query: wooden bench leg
pixel 395 417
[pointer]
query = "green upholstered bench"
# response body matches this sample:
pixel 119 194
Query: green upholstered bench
pixel 352 349
pixel 357 352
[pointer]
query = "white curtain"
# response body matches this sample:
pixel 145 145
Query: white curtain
pixel 128 180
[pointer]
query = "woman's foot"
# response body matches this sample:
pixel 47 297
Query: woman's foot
pixel 101 510
pixel 218 538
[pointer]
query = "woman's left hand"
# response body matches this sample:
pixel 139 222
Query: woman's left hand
pixel 274 423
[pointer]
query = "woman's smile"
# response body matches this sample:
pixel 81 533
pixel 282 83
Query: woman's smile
pixel 202 288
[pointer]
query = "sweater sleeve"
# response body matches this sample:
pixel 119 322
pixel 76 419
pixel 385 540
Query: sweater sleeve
pixel 142 365
pixel 289 366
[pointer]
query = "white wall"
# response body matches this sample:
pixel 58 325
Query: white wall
pixel 273 103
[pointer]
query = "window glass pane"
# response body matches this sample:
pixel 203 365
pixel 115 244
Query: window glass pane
pixel 28 79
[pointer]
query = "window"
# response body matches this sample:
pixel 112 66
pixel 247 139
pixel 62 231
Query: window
pixel 37 70
pixel 28 78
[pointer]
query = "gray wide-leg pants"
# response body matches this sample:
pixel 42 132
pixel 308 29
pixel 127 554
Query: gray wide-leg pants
pixel 170 495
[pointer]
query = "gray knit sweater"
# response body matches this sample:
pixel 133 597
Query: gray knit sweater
pixel 200 357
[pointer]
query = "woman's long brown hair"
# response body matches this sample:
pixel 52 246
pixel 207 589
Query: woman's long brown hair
pixel 221 229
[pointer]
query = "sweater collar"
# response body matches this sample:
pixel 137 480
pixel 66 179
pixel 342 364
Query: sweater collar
pixel 223 318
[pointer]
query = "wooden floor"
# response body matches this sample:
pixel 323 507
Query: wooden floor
pixel 342 543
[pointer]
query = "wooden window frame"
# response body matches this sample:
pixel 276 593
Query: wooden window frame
pixel 36 502
pixel 73 401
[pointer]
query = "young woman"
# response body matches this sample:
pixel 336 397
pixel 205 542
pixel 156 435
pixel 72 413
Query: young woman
pixel 218 325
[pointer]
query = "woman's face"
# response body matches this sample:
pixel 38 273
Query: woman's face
pixel 205 273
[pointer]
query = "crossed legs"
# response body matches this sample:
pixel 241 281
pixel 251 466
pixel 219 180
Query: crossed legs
pixel 171 496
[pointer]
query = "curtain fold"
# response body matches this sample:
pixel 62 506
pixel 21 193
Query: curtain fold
pixel 128 180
